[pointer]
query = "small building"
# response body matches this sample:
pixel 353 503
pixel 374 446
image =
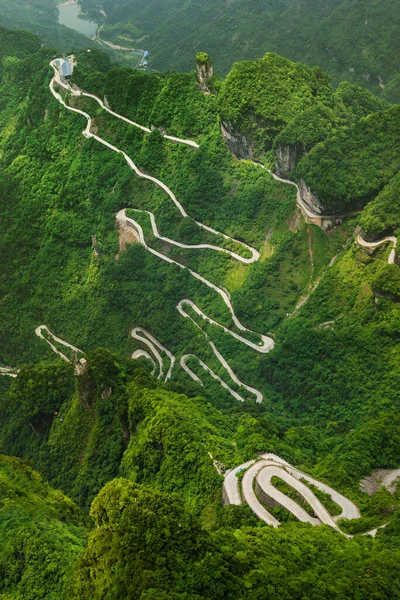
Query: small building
pixel 146 54
pixel 66 70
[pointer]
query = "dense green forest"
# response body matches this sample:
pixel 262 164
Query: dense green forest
pixel 41 16
pixel 351 39
pixel 113 491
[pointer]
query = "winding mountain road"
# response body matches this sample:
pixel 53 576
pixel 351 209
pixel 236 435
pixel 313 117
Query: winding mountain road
pixel 193 375
pixel 231 483
pixel 143 354
pixel 121 217
pixel 39 332
pixel 142 335
pixel 391 238
pixel 266 343
pixel 306 210
pixel 78 92
pixel 264 477
pixel 258 472
pixel 264 346
pixel 261 472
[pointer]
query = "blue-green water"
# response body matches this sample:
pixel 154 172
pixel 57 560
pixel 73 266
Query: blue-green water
pixel 68 16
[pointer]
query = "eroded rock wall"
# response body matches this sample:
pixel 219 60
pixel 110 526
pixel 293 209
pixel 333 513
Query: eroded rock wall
pixel 286 158
pixel 239 143
pixel 310 199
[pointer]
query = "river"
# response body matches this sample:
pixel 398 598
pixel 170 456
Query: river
pixel 68 16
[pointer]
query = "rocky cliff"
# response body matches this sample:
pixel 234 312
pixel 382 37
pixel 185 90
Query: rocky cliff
pixel 204 71
pixel 239 143
pixel 286 158
pixel 310 199
pixel 243 147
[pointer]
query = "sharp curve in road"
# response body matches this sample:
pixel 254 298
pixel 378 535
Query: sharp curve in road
pixel 143 354
pixel 266 343
pixel 306 210
pixel 39 332
pixel 254 254
pixel 186 357
pixel 390 238
pixel 261 473
pixel 142 335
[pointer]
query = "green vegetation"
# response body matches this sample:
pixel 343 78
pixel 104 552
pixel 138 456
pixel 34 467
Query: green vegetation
pixel 387 281
pixel 282 514
pixel 202 58
pixel 261 97
pixel 383 213
pixel 350 139
pixel 353 165
pixel 42 535
pixel 350 39
pixel 143 458
pixel 17 44
pixel 40 16
pixel 140 531
pixel 348 104
pixel 168 506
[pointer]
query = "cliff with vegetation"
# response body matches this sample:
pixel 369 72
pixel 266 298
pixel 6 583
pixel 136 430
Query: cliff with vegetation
pixel 274 104
pixel 258 99
pixel 122 497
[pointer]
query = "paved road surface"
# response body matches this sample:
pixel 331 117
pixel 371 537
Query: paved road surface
pixel 391 238
pixel 155 347
pixel 193 375
pixel 250 497
pixel 39 332
pixel 8 371
pixel 264 477
pixel 266 343
pixel 231 483
pixel 262 471
pixel 349 509
pixel 143 354
pixel 254 254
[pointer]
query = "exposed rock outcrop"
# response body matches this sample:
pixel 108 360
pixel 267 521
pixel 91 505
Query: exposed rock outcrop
pixel 310 199
pixel 239 143
pixel 287 158
pixel 204 71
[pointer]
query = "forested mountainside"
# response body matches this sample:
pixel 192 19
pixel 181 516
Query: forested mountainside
pixel 351 39
pixel 280 337
pixel 41 17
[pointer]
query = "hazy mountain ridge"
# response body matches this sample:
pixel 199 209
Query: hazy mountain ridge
pixel 351 39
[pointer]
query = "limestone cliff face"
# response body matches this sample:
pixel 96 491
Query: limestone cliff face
pixel 287 158
pixel 243 147
pixel 239 143
pixel 310 199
